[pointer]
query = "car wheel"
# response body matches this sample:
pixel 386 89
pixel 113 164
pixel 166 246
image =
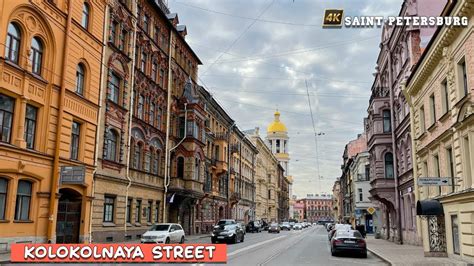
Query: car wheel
pixel 234 239
pixel 333 253
pixel 182 240
pixel 167 241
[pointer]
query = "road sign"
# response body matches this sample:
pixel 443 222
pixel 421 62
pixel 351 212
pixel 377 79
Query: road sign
pixel 371 210
pixel 72 174
pixel 434 181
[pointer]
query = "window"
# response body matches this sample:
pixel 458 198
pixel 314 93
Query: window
pixel 445 96
pixel 143 62
pixel 151 114
pixel 154 70
pixel 162 78
pixel 80 73
pixel 129 213
pixel 157 34
pixel 3 197
pixel 12 46
pixel 155 161
pixel 437 171
pixel 181 127
pixel 180 167
pixel 467 159
pixel 157 211
pixel 463 73
pixel 277 146
pixel 455 233
pixel 6 117
pixel 114 88
pixel 148 211
pixel 432 109
pixel 138 208
pixel 123 39
pixel 422 120
pixel 387 126
pixel 75 134
pixel 269 194
pixel 137 156
pixel 36 56
pixel 111 145
pixel 197 168
pixel 85 16
pixel 367 172
pixel 109 209
pixel 360 194
pixel 23 201
pixel 146 21
pixel 158 117
pixel 388 165
pixel 30 126
pixel 113 31
pixel 141 100
pixel 450 162
pixel 147 159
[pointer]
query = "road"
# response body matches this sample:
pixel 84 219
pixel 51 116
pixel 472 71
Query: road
pixel 307 247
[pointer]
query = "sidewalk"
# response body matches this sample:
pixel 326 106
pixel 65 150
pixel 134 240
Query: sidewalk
pixel 397 255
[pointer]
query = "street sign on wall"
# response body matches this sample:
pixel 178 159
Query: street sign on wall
pixel 371 210
pixel 434 181
pixel 72 174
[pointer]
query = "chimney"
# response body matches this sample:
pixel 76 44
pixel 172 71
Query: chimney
pixel 257 131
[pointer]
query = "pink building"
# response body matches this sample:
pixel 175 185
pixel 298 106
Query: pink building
pixel 298 209
pixel 388 127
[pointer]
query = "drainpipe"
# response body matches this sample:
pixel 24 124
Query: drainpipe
pixel 413 152
pixel 394 149
pixel 62 94
pixel 130 119
pixel 99 119
pixel 167 139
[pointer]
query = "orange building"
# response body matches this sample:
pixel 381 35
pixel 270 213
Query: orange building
pixel 49 95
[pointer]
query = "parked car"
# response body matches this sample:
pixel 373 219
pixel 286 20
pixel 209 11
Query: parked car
pixel 274 228
pixel 298 226
pixel 164 233
pixel 285 226
pixel 227 233
pixel 226 222
pixel 337 227
pixel 254 227
pixel 348 241
pixel 265 226
pixel 242 227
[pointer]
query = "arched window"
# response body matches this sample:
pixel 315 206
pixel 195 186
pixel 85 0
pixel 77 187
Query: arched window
pixel 36 56
pixel 111 145
pixel 387 127
pixel 23 201
pixel 85 16
pixel 3 197
pixel 180 167
pixel 156 161
pixel 12 46
pixel 137 152
pixel 388 165
pixel 114 87
pixel 80 74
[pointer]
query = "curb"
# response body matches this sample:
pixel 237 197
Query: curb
pixel 380 256
pixel 200 237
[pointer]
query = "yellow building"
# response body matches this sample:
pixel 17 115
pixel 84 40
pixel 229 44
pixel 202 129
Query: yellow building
pixel 50 62
pixel 441 94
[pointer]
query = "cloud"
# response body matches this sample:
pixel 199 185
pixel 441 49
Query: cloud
pixel 337 64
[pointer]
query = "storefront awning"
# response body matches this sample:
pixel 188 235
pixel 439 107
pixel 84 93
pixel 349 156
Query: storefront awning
pixel 429 207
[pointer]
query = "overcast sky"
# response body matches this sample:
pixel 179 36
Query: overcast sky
pixel 257 55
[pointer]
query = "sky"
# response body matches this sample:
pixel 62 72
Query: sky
pixel 265 54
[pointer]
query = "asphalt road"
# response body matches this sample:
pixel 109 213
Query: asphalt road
pixel 309 246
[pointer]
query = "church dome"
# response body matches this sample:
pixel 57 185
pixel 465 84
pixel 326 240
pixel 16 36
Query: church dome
pixel 277 125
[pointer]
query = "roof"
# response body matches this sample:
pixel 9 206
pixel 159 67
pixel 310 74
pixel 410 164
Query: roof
pixel 277 125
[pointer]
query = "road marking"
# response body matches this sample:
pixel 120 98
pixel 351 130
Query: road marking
pixel 253 246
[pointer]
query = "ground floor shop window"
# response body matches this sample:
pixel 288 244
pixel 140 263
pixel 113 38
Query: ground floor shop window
pixel 455 231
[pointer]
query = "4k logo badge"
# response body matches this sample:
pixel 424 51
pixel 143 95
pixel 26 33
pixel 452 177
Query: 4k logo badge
pixel 333 17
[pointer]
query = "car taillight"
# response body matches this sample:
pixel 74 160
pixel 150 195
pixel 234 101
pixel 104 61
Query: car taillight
pixel 338 241
pixel 361 243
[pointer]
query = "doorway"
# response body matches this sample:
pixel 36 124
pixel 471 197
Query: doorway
pixel 69 217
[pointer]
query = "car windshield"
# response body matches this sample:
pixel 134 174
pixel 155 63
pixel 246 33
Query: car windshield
pixel 274 224
pixel 224 222
pixel 160 227
pixel 343 233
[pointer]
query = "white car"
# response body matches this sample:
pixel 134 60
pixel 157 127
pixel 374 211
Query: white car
pixel 164 233
pixel 298 226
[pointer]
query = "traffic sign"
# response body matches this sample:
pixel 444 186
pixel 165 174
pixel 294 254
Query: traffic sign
pixel 434 181
pixel 371 210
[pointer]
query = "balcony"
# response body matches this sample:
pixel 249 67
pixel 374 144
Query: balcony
pixel 383 190
pixel 235 196
pixel 221 136
pixel 222 166
pixel 234 148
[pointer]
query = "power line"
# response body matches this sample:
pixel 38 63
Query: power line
pixel 240 36
pixel 315 135
pixel 247 18
pixel 302 94
pixel 230 76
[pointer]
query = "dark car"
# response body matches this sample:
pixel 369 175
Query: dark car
pixel 265 226
pixel 242 226
pixel 227 233
pixel 274 228
pixel 348 241
pixel 254 227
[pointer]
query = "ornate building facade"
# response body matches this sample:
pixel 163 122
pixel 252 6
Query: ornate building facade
pixel 49 104
pixel 441 94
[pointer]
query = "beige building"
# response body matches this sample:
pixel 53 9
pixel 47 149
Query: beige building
pixel 266 178
pixel 441 95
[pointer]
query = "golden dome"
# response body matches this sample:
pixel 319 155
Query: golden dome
pixel 276 125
